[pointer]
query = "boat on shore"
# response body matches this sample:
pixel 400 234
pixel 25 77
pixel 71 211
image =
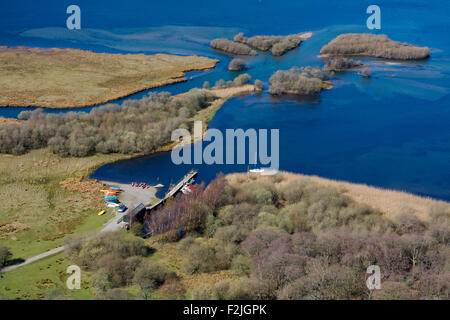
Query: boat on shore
pixel 256 170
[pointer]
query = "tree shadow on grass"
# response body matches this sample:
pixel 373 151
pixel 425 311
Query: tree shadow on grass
pixel 13 262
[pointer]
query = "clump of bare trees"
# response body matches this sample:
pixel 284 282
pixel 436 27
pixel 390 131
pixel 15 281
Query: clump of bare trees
pixel 258 85
pixel 301 240
pixel 341 63
pixel 305 80
pixel 241 45
pixel 117 260
pixel 186 211
pixel 278 45
pixel 5 255
pixel 288 43
pixel 262 43
pixel 379 46
pixel 231 47
pixel 237 65
pixel 136 126
pixel 240 80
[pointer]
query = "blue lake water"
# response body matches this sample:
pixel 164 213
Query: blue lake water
pixel 391 131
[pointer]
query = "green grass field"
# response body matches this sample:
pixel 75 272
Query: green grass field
pixel 37 212
pixel 38 279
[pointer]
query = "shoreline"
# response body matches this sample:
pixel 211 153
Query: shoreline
pixel 364 55
pixel 390 202
pixel 132 196
pixel 111 99
pixel 73 78
pixel 224 94
pixel 328 85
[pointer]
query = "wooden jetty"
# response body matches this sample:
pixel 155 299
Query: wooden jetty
pixel 176 188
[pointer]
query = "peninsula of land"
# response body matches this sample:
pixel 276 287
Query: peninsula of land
pixel 68 78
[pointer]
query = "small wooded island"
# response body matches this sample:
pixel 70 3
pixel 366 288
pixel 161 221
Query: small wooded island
pixel 67 78
pixel 278 45
pixel 304 81
pixel 372 45
pixel 337 53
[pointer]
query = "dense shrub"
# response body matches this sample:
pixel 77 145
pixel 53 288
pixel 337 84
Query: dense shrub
pixel 5 255
pixel 150 276
pixel 242 79
pixel 220 83
pixel 135 126
pixel 238 81
pixel 240 289
pixel 241 265
pixel 435 286
pixel 231 47
pixel 441 234
pixel 115 258
pixel 237 65
pixel 101 280
pixel 116 294
pixel 173 289
pixel 379 46
pixel 326 283
pixel 298 81
pixel 301 240
pixel 258 84
pixel 262 43
pixel 408 223
pixel 188 212
pixel 288 43
pixel 104 250
pixel 391 290
pixel 207 256
pixel 278 45
pixel 341 63
pixel 206 85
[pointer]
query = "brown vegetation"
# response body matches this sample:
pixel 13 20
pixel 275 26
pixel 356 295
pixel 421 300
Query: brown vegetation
pixel 231 47
pixel 118 260
pixel 390 202
pixel 89 189
pixel 237 65
pixel 299 81
pixel 289 237
pixel 137 126
pixel 278 45
pixel 240 80
pixel 5 255
pixel 341 63
pixel 379 46
pixel 63 78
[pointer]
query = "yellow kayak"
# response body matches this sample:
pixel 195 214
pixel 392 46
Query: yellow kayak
pixel 101 212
